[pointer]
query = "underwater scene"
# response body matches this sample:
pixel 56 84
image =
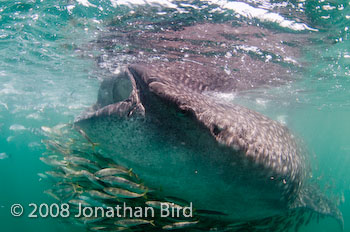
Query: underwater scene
pixel 151 115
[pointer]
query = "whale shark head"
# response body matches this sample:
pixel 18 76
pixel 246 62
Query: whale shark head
pixel 185 143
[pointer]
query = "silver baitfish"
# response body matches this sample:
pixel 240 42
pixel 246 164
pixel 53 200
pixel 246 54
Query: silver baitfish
pixel 159 204
pixel 53 161
pixel 81 161
pixel 122 193
pixel 133 222
pixel 99 195
pixel 112 171
pixel 92 202
pixel 179 225
pixel 122 182
pixel 90 220
pixel 51 193
pixel 78 202
pixel 56 175
pixel 89 176
pixel 87 138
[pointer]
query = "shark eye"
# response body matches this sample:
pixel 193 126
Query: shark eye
pixel 183 112
pixel 216 130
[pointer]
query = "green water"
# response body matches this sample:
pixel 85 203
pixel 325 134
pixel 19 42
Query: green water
pixel 48 75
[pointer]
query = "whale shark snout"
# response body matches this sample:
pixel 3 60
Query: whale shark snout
pixel 181 142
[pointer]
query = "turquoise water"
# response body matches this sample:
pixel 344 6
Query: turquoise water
pixel 49 75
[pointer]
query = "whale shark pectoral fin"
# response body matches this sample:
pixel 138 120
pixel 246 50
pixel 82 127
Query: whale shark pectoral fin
pixel 312 198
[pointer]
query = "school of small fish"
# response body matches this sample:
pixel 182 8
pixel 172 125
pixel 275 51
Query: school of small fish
pixel 81 175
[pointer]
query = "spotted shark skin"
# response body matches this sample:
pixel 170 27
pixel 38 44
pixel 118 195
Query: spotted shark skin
pixel 247 147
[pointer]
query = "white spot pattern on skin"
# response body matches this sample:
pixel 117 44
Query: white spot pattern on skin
pixel 267 142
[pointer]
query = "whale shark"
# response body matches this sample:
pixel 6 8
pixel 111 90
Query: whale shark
pixel 157 115
pixel 223 157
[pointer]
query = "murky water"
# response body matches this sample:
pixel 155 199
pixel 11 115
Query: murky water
pixel 51 68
